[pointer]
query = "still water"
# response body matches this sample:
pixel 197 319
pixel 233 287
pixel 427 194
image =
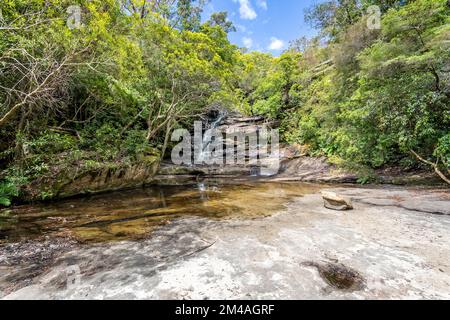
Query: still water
pixel 133 214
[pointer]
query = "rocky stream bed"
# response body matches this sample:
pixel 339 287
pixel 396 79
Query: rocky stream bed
pixel 209 232
pixel 237 241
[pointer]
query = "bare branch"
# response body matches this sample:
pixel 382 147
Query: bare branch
pixel 434 165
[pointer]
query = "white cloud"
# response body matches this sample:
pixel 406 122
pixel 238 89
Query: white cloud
pixel 262 4
pixel 246 10
pixel 248 42
pixel 276 44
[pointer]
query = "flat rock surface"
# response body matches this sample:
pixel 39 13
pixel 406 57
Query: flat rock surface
pixel 395 243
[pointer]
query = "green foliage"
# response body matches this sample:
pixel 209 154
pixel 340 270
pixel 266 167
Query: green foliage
pixel 114 88
pixel 221 19
pixel 189 15
pixel 135 143
pixel 7 191
pixel 110 89
pixel 442 151
pixel 268 82
pixel 49 143
pixel 334 16
pixel 376 95
pixel 104 141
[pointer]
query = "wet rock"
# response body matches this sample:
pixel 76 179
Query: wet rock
pixel 311 169
pixel 39 251
pixel 388 253
pixel 293 164
pixel 75 181
pixel 23 261
pixel 335 202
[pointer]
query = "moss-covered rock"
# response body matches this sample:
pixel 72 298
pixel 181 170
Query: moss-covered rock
pixel 88 179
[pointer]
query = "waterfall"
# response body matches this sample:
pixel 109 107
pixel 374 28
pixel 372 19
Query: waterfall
pixel 204 155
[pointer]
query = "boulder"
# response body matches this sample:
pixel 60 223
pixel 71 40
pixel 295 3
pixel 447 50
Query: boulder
pixel 335 202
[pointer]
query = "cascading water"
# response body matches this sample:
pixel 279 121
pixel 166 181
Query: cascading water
pixel 204 155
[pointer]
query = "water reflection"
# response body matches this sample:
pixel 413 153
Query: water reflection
pixel 134 214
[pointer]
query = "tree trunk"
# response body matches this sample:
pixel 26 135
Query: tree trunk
pixel 434 165
pixel 166 139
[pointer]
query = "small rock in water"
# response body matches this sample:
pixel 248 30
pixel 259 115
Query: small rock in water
pixel 336 202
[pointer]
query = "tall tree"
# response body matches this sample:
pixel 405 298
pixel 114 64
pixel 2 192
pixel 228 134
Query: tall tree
pixel 333 17
pixel 221 19
pixel 189 14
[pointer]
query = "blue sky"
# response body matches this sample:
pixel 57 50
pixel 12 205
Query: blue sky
pixel 264 25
